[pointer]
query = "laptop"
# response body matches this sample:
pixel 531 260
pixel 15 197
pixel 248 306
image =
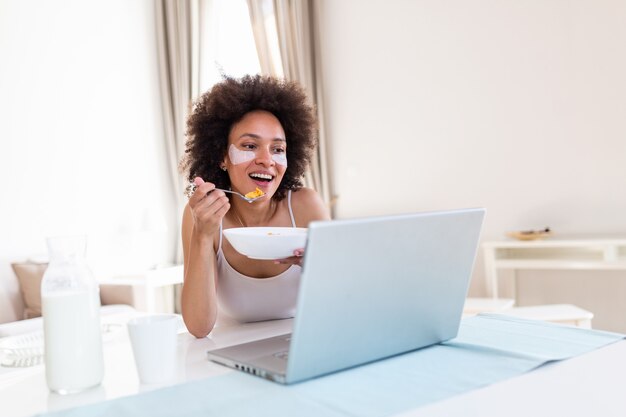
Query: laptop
pixel 371 288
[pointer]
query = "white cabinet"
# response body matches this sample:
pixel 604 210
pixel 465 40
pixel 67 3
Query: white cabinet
pixel 148 283
pixel 575 253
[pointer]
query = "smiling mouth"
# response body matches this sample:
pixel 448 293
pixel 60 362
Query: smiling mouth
pixel 261 177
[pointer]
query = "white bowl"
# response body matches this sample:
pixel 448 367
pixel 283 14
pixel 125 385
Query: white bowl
pixel 266 242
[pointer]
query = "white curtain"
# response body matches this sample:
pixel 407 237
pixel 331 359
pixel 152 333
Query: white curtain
pixel 291 25
pixel 178 42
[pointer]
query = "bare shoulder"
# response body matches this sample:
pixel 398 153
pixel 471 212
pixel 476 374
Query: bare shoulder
pixel 308 206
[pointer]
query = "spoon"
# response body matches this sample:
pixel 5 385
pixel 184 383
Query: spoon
pixel 192 187
pixel 248 199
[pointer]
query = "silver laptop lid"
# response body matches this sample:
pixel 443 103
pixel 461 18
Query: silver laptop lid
pixel 376 287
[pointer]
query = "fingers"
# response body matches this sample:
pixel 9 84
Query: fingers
pixel 207 218
pixel 207 205
pixel 223 209
pixel 293 260
pixel 202 190
pixel 296 259
pixel 214 204
pixel 191 187
pixel 198 181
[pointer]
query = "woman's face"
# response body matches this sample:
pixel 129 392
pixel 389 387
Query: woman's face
pixel 256 155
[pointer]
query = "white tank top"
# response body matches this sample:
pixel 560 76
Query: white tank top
pixel 248 299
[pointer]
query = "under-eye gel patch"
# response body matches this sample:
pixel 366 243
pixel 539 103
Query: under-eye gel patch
pixel 238 156
pixel 280 159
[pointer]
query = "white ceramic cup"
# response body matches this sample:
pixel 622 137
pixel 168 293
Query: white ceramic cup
pixel 154 341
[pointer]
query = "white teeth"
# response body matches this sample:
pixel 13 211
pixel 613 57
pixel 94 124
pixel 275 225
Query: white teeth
pixel 262 176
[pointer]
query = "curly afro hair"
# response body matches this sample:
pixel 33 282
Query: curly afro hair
pixel 216 111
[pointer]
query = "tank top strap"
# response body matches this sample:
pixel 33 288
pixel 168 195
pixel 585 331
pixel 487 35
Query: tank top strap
pixel 219 245
pixel 293 220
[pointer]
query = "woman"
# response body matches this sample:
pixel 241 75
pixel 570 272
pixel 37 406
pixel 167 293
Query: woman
pixel 245 133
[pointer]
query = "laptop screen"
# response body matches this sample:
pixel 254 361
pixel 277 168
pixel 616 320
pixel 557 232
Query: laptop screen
pixel 379 286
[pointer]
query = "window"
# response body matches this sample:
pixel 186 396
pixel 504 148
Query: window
pixel 227 42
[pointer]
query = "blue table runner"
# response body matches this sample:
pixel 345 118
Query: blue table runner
pixel 489 348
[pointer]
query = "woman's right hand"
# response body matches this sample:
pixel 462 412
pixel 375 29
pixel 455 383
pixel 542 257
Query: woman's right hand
pixel 208 207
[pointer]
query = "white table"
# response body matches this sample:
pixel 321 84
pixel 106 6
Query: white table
pixel 562 253
pixel 23 391
pixel 591 384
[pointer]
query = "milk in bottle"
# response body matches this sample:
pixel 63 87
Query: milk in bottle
pixel 70 301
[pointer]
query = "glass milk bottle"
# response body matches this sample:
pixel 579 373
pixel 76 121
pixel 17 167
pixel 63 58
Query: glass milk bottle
pixel 70 301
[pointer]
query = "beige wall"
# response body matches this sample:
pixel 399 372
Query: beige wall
pixel 512 105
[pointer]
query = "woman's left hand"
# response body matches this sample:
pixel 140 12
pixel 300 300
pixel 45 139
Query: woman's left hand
pixel 296 259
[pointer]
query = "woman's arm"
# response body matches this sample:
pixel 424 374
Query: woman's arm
pixel 201 220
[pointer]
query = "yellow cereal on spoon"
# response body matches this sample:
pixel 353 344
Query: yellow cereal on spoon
pixel 256 193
